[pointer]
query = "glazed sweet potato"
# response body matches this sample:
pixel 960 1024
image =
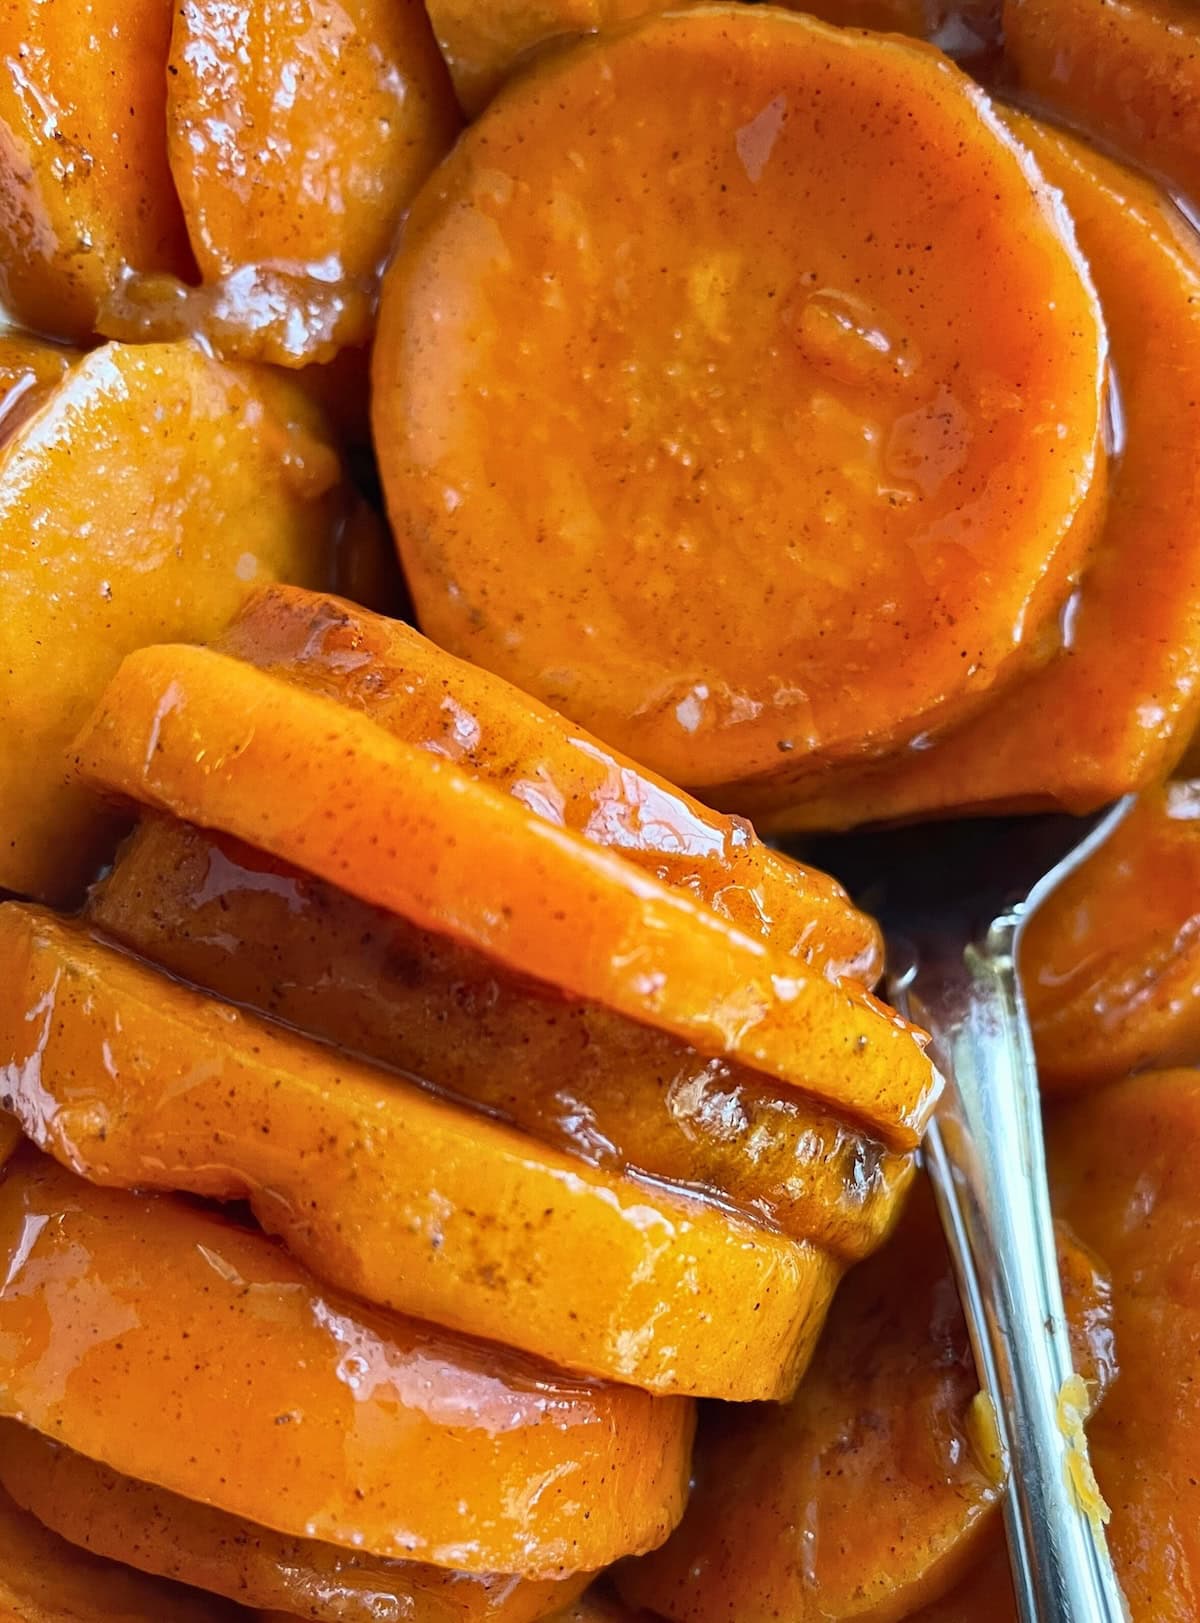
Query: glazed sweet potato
pixel 43 1579
pixel 723 501
pixel 1128 71
pixel 147 495
pixel 391 1193
pixel 1123 1175
pixel 298 131
pixel 10 1136
pixel 1111 961
pixel 617 1093
pixel 875 1488
pixel 85 190
pixel 211 739
pixel 160 1533
pixel 452 709
pixel 1113 709
pixel 301 1409
pixel 984 1596
pixel 29 369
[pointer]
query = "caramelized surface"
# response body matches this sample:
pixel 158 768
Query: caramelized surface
pixel 132 1322
pixel 210 739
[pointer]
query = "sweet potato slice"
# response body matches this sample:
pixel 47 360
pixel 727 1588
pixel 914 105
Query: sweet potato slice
pixel 452 709
pixel 617 1093
pixel 143 500
pixel 776 389
pixel 1112 960
pixel 1123 1171
pixel 85 189
pixel 874 1489
pixel 29 369
pixel 1114 708
pixel 192 1353
pixel 159 1533
pixel 211 739
pixel 1128 71
pixel 43 1579
pixel 984 1596
pixel 399 1196
pixel 298 131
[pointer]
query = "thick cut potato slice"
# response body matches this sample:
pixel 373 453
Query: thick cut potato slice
pixel 211 739
pixel 148 494
pixel 43 1579
pixel 1123 1168
pixel 85 189
pixel 465 714
pixel 615 1092
pixel 871 1493
pixel 798 448
pixel 159 1533
pixel 1113 709
pixel 401 1197
pixel 298 131
pixel 1127 71
pixel 1111 962
pixel 197 1355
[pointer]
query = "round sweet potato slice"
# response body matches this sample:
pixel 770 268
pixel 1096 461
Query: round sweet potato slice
pixel 615 1092
pixel 1113 709
pixel 875 1488
pixel 85 190
pixel 157 1532
pixel 211 739
pixel 1111 961
pixel 298 132
pixel 197 1355
pixel 396 1195
pixel 465 714
pixel 148 494
pixel 792 457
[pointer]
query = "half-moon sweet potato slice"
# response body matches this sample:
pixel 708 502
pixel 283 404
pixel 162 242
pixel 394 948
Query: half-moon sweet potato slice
pixel 183 1350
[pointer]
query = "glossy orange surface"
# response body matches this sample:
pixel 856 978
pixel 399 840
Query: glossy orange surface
pixel 394 1194
pixel 84 186
pixel 751 495
pixel 162 485
pixel 984 1596
pixel 1123 1164
pixel 29 369
pixel 872 1491
pixel 369 1431
pixel 466 715
pixel 617 1093
pixel 160 1533
pixel 298 131
pixel 210 739
pixel 1127 71
pixel 1113 709
pixel 43 1579
pixel 1111 962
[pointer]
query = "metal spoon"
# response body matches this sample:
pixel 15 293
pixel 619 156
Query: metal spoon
pixel 953 899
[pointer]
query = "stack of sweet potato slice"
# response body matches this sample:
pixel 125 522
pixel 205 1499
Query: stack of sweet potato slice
pixel 554 1068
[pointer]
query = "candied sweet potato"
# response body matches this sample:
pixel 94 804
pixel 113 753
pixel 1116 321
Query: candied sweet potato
pixel 211 739
pixel 1113 709
pixel 43 1579
pixel 1123 1165
pixel 169 1537
pixel 85 188
pixel 613 1091
pixel 143 499
pixel 403 1198
pixel 984 1596
pixel 465 714
pixel 195 1354
pixel 1127 71
pixel 1111 961
pixel 29 369
pixel 873 1490
pixel 298 131
pixel 799 445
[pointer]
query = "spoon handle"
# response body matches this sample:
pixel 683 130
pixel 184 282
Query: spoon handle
pixel 986 1157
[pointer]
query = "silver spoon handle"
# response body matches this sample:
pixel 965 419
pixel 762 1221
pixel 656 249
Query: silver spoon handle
pixel 986 1157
